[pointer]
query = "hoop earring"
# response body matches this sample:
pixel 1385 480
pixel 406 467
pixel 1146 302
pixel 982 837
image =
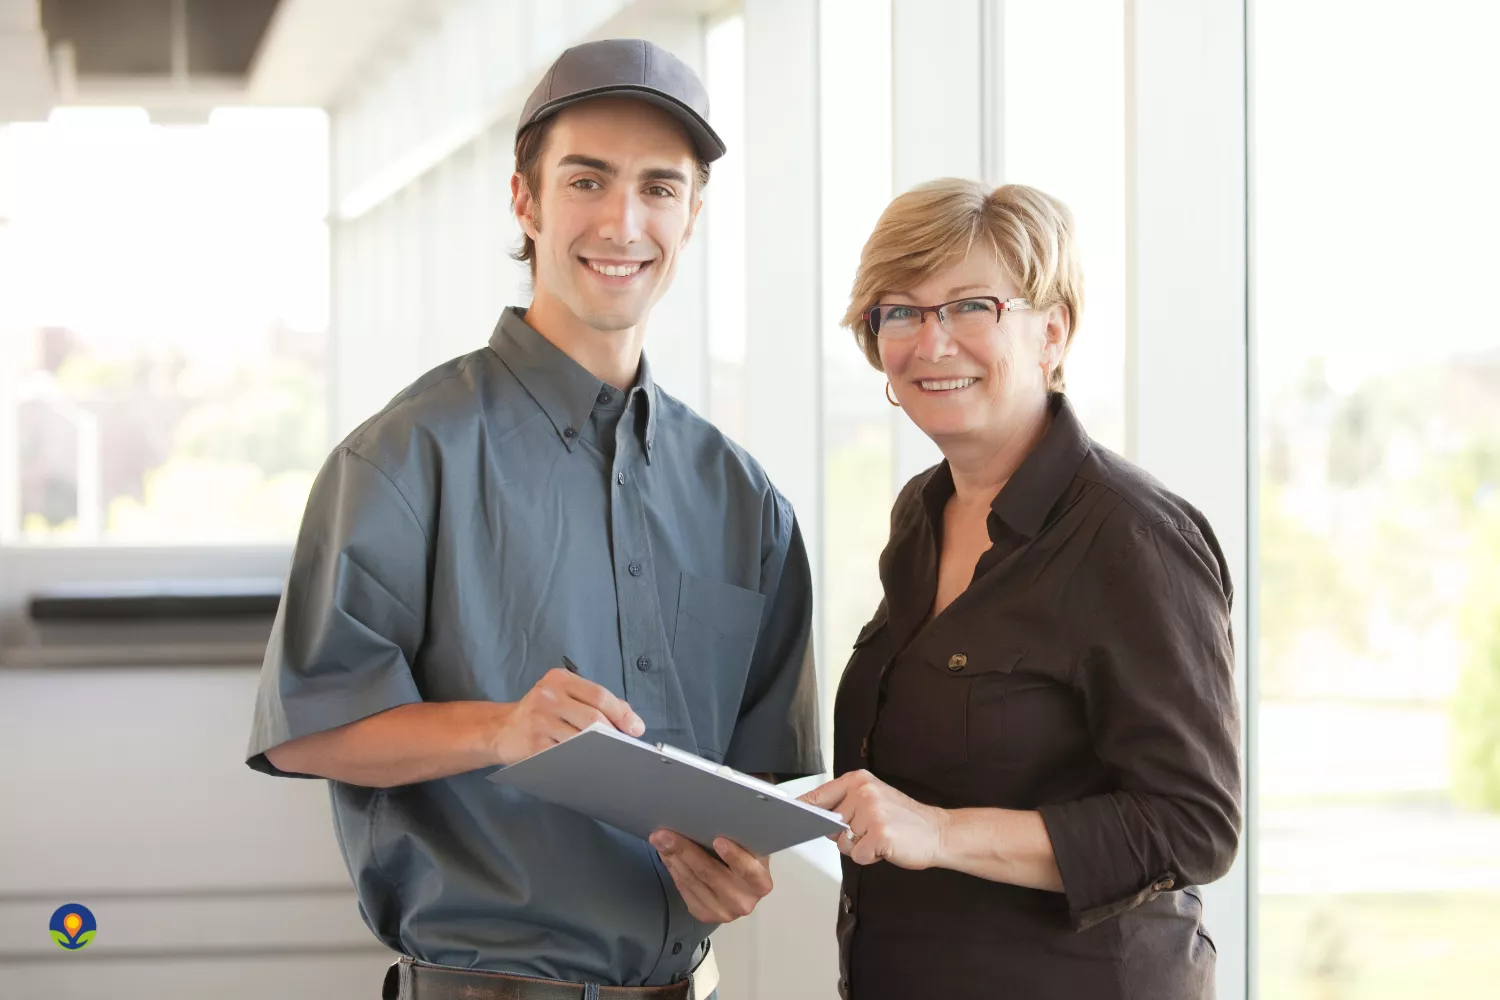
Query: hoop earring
pixel 888 398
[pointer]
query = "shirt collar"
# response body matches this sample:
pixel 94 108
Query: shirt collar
pixel 1036 487
pixel 565 390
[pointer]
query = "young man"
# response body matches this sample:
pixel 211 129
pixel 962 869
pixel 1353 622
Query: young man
pixel 541 502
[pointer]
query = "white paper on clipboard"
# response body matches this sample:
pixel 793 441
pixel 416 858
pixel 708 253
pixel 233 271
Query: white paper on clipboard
pixel 641 788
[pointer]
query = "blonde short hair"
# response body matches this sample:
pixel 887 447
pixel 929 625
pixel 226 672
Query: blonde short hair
pixel 935 225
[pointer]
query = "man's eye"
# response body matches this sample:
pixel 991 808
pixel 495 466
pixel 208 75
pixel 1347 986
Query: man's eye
pixel 586 184
pixel 658 191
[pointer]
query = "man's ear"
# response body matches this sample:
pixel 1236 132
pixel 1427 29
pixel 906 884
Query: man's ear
pixel 523 205
pixel 693 220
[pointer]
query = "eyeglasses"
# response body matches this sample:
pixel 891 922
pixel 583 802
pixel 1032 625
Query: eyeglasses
pixel 959 317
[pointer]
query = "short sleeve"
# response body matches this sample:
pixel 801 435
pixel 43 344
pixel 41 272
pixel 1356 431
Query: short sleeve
pixel 777 729
pixel 353 612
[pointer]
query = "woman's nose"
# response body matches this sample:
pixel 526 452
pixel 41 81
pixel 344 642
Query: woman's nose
pixel 933 341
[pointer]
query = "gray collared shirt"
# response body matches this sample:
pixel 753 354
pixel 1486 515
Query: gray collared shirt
pixel 504 511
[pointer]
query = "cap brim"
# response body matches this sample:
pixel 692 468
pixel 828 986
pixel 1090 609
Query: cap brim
pixel 705 140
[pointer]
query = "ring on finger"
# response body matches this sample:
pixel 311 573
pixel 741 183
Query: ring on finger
pixel 852 837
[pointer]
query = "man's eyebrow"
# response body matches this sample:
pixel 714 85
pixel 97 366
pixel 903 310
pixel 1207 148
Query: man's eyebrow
pixel 664 174
pixel 591 162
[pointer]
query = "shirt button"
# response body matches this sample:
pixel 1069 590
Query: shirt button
pixel 1163 885
pixel 620 478
pixel 605 397
pixel 643 664
pixel 569 433
pixel 846 903
pixel 677 948
pixel 957 661
pixel 635 569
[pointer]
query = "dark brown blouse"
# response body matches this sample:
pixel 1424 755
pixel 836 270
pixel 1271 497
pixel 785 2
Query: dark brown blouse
pixel 1086 671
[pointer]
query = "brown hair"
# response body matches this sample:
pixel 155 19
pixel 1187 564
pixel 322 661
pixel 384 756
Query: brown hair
pixel 935 225
pixel 529 147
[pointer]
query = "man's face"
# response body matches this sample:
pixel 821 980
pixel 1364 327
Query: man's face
pixel 615 205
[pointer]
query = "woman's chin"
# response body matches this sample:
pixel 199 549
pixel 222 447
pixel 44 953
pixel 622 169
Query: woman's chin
pixel 949 426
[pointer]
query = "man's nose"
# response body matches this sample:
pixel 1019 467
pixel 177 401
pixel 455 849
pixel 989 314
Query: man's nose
pixel 621 223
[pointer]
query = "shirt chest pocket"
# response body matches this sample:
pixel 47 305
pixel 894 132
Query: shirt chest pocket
pixel 943 711
pixel 717 625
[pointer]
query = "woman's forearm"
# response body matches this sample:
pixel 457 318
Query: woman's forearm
pixel 1002 845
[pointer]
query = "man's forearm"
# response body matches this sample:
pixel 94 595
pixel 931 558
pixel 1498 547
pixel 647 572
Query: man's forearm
pixel 410 743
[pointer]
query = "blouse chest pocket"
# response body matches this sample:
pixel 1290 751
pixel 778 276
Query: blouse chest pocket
pixel 929 724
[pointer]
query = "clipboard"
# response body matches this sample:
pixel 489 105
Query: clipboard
pixel 640 788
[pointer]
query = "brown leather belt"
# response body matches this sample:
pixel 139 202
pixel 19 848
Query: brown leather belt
pixel 411 980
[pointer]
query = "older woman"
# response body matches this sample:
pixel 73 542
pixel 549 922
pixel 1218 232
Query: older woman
pixel 1036 740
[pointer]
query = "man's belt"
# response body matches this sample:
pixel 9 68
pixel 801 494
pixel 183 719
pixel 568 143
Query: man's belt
pixel 409 979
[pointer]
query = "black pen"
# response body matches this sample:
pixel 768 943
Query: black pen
pixel 573 667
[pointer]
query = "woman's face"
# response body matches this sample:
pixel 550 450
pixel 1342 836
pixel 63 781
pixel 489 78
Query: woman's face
pixel 977 384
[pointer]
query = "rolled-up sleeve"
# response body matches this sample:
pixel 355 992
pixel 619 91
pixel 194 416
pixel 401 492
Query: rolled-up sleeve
pixel 1156 677
pixel 777 729
pixel 353 613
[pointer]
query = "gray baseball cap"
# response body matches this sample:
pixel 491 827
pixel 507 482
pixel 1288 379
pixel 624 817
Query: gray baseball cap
pixel 626 67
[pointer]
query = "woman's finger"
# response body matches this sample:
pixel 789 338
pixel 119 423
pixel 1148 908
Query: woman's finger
pixel 828 796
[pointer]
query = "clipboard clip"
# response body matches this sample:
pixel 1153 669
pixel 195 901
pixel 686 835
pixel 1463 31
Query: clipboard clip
pixel 667 750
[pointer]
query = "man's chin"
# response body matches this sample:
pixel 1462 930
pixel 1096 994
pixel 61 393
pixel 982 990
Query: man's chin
pixel 610 320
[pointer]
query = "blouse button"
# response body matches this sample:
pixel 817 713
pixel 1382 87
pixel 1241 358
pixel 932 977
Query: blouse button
pixel 957 661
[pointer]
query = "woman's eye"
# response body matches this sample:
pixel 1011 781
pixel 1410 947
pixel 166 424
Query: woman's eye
pixel 899 312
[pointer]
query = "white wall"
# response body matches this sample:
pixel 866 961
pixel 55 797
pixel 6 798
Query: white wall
pixel 1188 371
pixel 125 790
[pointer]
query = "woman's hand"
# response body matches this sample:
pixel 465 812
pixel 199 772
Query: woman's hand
pixel 886 825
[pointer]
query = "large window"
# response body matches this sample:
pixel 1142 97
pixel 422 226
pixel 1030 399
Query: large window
pixel 1375 213
pixel 854 81
pixel 1065 134
pixel 163 318
pixel 723 220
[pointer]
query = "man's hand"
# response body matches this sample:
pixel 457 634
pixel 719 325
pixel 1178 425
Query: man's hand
pixel 559 706
pixel 716 889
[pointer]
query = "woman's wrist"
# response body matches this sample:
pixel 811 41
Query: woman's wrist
pixel 942 837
